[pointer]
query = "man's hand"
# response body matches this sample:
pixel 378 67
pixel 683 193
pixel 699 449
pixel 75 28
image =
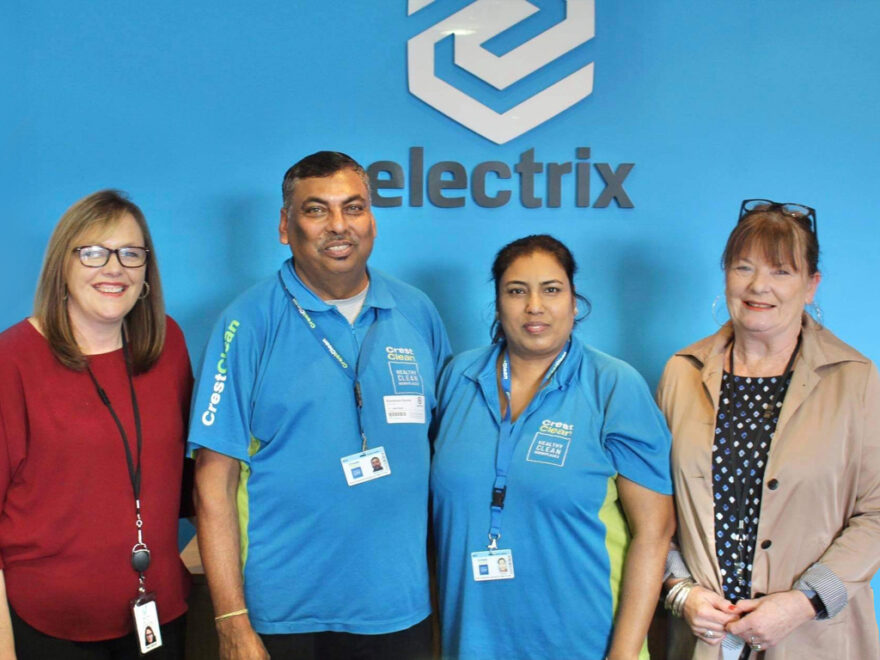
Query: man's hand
pixel 239 641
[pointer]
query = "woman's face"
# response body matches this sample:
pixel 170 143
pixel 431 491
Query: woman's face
pixel 100 296
pixel 767 300
pixel 536 306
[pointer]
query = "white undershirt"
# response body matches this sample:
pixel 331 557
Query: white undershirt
pixel 350 307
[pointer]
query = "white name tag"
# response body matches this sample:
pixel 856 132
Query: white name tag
pixel 365 466
pixel 405 409
pixel 492 565
pixel 731 647
pixel 146 623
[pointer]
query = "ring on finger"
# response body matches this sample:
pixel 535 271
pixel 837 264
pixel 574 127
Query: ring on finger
pixel 709 634
pixel 757 647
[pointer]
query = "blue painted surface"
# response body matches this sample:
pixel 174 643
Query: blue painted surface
pixel 197 109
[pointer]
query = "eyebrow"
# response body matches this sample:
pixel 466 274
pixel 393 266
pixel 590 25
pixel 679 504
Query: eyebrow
pixel 544 283
pixel 320 200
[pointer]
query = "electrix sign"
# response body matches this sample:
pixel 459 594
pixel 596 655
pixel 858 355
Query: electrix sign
pixel 492 183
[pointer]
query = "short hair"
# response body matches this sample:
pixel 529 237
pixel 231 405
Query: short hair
pixel 145 323
pixel 780 237
pixel 523 247
pixel 320 164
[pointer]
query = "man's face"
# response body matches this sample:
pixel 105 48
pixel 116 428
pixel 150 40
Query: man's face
pixel 330 229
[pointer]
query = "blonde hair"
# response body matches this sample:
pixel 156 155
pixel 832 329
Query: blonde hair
pixel 144 324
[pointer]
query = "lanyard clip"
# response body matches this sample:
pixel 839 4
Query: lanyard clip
pixel 498 495
pixel 493 542
pixel 358 399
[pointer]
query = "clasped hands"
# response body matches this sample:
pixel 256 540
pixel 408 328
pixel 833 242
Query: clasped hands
pixel 762 622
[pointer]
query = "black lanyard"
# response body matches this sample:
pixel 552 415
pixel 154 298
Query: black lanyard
pixel 741 485
pixel 140 554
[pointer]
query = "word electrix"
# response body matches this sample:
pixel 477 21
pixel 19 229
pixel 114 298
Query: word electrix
pixel 446 177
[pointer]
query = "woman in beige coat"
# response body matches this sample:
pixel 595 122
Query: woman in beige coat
pixel 776 463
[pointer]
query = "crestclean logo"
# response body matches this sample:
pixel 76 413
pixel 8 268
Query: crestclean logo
pixel 473 26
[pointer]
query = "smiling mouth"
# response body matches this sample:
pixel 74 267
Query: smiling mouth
pixel 535 328
pixel 112 289
pixel 338 250
pixel 757 305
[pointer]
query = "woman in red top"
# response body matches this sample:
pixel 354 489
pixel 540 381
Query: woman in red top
pixel 94 398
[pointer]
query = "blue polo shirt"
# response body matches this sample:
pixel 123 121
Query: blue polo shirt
pixel 562 520
pixel 319 554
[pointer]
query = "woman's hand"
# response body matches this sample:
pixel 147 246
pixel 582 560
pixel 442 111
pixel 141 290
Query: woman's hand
pixel 708 614
pixel 768 620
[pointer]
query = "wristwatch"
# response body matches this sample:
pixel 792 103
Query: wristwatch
pixel 815 601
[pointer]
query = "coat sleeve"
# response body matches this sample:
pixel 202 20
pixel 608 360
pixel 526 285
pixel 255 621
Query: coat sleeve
pixel 853 556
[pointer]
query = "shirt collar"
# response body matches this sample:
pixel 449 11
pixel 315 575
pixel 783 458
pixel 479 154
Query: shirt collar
pixel 485 372
pixel 818 349
pixel 378 294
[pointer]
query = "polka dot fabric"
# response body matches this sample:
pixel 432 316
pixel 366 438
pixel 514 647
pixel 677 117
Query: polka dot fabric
pixel 741 455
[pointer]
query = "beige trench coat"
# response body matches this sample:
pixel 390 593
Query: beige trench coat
pixel 825 458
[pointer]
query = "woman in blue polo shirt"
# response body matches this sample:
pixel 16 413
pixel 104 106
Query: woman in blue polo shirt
pixel 550 481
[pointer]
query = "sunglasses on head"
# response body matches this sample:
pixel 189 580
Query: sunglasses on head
pixel 804 214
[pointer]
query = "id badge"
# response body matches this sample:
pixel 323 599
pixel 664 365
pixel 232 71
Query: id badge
pixel 146 623
pixel 492 565
pixel 731 647
pixel 405 409
pixel 365 466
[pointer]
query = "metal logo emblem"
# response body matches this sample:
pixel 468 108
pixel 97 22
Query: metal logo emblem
pixel 475 24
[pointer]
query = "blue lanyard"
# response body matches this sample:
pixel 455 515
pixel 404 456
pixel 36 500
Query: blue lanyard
pixel 353 374
pixel 507 443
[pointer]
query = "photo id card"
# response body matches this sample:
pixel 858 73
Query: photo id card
pixel 365 466
pixel 146 623
pixel 492 565
pixel 731 647
pixel 405 409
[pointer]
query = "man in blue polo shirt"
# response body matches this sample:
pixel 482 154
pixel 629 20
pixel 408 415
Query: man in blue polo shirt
pixel 310 426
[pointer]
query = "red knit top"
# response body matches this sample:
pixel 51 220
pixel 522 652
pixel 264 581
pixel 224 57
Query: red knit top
pixel 67 523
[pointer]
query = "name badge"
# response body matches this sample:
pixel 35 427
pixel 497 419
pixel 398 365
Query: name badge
pixel 405 409
pixel 365 466
pixel 492 565
pixel 731 647
pixel 146 623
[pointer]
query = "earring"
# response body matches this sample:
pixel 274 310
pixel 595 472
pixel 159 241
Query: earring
pixel 816 313
pixel 716 305
pixel 145 291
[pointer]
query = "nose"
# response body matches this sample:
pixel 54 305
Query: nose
pixel 534 304
pixel 759 281
pixel 114 263
pixel 336 221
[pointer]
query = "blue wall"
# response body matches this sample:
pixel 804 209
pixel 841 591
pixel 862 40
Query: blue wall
pixel 197 109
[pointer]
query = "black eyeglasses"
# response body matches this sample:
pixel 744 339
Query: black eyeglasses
pixel 800 212
pixel 96 256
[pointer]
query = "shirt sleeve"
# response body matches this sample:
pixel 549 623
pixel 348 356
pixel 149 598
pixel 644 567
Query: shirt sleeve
pixel 221 407
pixel 176 344
pixel 13 429
pixel 831 591
pixel 634 432
pixel 441 348
pixel 853 556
